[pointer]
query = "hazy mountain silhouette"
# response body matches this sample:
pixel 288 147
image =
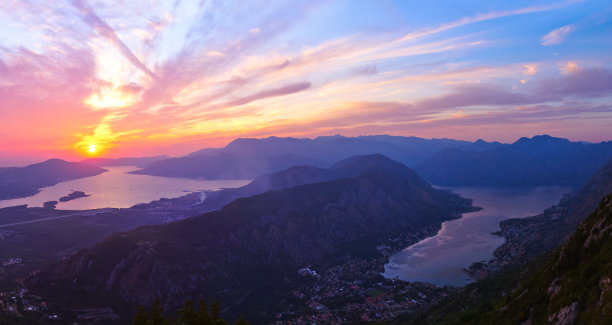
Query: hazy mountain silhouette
pixel 16 182
pixel 124 161
pixel 246 158
pixel 541 160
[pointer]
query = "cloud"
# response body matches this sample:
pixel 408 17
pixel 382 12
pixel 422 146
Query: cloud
pixel 484 17
pixel 365 70
pixel 584 83
pixel 569 67
pixel 274 92
pixel 556 36
pixel 530 69
pixel 90 17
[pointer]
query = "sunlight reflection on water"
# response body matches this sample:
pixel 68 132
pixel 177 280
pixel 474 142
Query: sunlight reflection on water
pixel 117 189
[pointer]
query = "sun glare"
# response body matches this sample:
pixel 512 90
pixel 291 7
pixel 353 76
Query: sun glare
pixel 110 97
pixel 92 148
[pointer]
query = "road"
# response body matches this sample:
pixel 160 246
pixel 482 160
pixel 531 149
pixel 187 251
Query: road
pixel 80 213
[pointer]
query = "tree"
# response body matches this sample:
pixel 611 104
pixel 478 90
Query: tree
pixel 203 315
pixel 157 313
pixel 215 310
pixel 141 318
pixel 186 315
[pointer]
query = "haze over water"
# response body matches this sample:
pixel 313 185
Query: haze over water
pixel 461 242
pixel 118 189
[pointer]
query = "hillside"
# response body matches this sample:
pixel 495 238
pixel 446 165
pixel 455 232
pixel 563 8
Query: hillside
pixel 530 237
pixel 540 160
pixel 573 287
pixel 16 182
pixel 253 243
pixel 294 176
pixel 246 158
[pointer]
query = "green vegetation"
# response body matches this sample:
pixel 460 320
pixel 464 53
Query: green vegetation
pixel 573 285
pixel 186 315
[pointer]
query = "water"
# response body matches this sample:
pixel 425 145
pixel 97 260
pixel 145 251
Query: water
pixel 117 189
pixel 461 242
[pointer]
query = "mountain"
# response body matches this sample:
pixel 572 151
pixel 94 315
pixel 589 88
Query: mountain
pixel 221 165
pixel 124 161
pixel 530 237
pixel 248 254
pixel 16 182
pixel 540 160
pixel 294 176
pixel 573 287
pixel 246 158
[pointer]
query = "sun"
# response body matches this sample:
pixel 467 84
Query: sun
pixel 92 148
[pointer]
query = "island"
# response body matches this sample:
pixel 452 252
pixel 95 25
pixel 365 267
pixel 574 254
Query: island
pixel 73 196
pixel 50 204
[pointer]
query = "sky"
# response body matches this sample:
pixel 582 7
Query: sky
pixel 145 77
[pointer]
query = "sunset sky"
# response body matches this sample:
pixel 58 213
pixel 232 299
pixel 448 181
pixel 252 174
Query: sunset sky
pixel 135 78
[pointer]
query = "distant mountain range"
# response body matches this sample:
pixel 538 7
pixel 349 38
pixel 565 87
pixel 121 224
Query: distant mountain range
pixel 222 165
pixel 247 158
pixel 16 182
pixel 541 160
pixel 253 247
pixel 124 161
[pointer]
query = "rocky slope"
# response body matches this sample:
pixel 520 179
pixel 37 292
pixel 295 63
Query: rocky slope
pixel 573 287
pixel 18 182
pixel 541 160
pixel 249 251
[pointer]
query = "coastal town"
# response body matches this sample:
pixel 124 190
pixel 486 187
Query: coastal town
pixel 355 291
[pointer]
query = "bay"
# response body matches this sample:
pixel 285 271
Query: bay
pixel 461 242
pixel 118 189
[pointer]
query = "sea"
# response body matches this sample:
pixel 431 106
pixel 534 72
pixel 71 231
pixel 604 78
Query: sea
pixel 118 189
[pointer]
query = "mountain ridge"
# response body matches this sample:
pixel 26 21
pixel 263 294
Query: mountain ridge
pixel 255 240
pixel 540 160
pixel 17 182
pixel 246 158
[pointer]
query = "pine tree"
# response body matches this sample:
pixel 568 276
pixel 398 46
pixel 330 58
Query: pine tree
pixel 157 313
pixel 215 314
pixel 215 310
pixel 141 318
pixel 203 315
pixel 186 315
